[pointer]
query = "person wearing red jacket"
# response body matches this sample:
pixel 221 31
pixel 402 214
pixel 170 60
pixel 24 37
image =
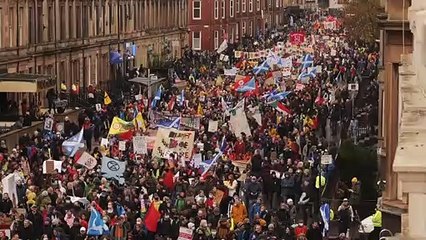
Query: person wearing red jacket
pixel 301 230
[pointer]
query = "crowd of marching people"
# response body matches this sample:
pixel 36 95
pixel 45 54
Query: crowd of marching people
pixel 260 181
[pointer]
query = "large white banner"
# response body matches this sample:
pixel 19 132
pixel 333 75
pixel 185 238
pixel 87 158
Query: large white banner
pixel 170 140
pixel 239 123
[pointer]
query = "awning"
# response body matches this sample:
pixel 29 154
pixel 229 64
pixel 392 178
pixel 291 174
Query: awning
pixel 23 82
pixel 145 81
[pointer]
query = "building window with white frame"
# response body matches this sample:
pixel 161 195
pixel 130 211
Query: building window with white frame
pixel 216 9
pixel 258 5
pixel 196 40
pixel 243 6
pixel 196 10
pixel 250 5
pixel 237 6
pixel 250 28
pixel 277 3
pixel 223 9
pixel 216 40
pixel 231 8
pixel 231 38
pixel 237 31
pixel 243 27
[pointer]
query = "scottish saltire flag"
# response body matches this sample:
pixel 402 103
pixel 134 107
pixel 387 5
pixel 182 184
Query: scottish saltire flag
pixel 168 123
pixel 278 97
pixel 96 225
pixel 307 74
pixel 262 68
pixel 249 86
pixel 157 97
pixel 181 98
pixel 73 144
pixel 206 165
pixel 307 61
pixel 325 215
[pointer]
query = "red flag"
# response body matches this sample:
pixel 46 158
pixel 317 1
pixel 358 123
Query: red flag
pixel 319 100
pixel 254 92
pixel 242 82
pixel 152 217
pixel 171 103
pixel 297 38
pixel 126 135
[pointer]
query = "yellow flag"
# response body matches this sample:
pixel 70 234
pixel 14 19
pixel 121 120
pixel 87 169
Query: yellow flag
pixel 139 122
pixel 107 99
pixel 199 109
pixel 119 126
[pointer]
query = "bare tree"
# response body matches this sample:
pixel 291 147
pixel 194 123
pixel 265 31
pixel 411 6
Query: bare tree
pixel 361 21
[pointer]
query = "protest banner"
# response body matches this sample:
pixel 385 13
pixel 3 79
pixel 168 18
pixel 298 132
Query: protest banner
pixel 49 166
pixel 87 160
pixel 185 233
pixel 170 140
pixel 140 145
pixel 213 125
pixel 239 123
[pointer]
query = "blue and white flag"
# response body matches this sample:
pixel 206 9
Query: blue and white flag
pixel 325 215
pixel 262 68
pixel 306 75
pixel 307 61
pixel 206 165
pixel 168 123
pixel 277 97
pixel 73 144
pixel 113 169
pixel 120 210
pixel 96 225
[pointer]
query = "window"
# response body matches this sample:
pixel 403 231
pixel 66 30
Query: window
pixel 71 22
pixel 1 27
pixel 237 31
pixel 223 9
pixel 250 5
pixel 258 5
pixel 62 21
pixel 196 40
pixel 216 9
pixel 250 28
pixel 11 27
pixel 243 27
pixel 231 8
pixel 243 6
pixel 237 6
pixel 277 3
pixel 78 21
pixel 231 38
pixel 196 10
pixel 216 40
pixel 85 21
pixel 50 23
pixel 20 24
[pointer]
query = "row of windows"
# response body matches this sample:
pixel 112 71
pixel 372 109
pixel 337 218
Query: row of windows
pixel 234 34
pixel 234 7
pixel 29 24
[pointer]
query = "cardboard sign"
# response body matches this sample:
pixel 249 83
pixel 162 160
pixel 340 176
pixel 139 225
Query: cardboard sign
pixel 140 145
pixel 49 166
pixel 213 125
pixel 98 107
pixel 48 124
pixel 122 145
pixel 326 159
pixel 185 233
pixel 104 142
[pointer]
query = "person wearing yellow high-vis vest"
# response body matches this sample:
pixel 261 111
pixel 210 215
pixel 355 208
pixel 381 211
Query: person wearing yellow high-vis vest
pixel 376 218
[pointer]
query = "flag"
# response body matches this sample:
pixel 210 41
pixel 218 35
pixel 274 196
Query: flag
pixel 307 61
pixel 181 98
pixel 73 144
pixel 139 122
pixel 223 46
pixel 325 215
pixel 96 225
pixel 278 97
pixel 107 99
pixel 280 107
pixel 157 97
pixel 206 165
pixel 119 126
pixel 241 82
pixel 262 68
pixel 168 123
pixel 254 92
pixel 239 105
pixel 151 219
pixel 319 100
pixel 299 87
pixel 200 109
pixel 248 86
pixel 87 160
